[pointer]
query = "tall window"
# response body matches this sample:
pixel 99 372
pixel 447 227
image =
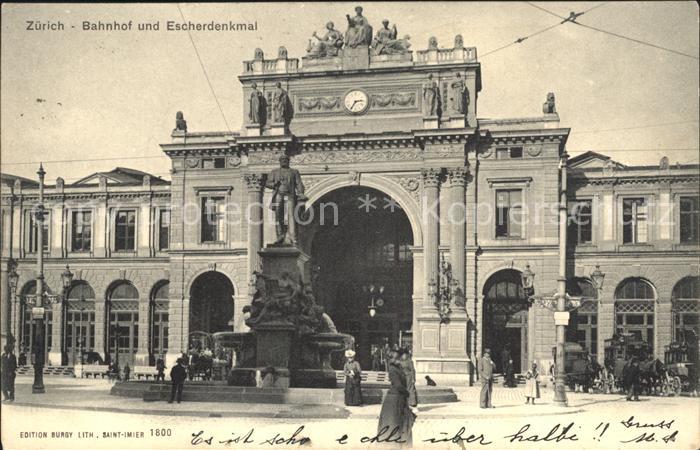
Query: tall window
pixel 125 230
pixel 508 213
pixel 581 222
pixel 80 321
pixel 33 233
pixel 685 302
pixel 690 220
pixel 123 323
pixel 634 309
pixel 159 330
pixel 213 214
pixel 634 221
pixel 81 233
pixel 584 320
pixel 164 229
pixel 27 324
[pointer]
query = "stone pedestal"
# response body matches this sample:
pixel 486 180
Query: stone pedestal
pixel 277 129
pixel 356 58
pixel 274 343
pixel 277 260
pixel 431 122
pixel 456 122
pixel 252 130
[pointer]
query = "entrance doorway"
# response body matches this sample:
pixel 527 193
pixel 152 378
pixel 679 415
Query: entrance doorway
pixel 211 303
pixel 505 319
pixel 361 259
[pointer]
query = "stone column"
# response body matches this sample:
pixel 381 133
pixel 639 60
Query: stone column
pixel 142 355
pixel 457 216
pixel 100 343
pixel 56 352
pixel 663 326
pixel 431 220
pixel 254 214
pixel 606 324
pixel 5 302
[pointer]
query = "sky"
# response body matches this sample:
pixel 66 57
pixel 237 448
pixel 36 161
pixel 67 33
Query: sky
pixel 71 96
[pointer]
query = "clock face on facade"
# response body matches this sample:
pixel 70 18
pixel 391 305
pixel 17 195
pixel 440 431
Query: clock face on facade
pixel 356 102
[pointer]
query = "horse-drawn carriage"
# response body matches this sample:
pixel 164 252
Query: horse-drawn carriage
pixel 619 351
pixel 582 371
pixel 681 360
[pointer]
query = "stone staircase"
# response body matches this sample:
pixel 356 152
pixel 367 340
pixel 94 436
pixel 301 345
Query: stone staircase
pixel 59 371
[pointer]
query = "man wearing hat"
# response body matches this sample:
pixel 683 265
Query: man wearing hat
pixel 353 377
pixel 288 189
pixel 178 374
pixel 486 368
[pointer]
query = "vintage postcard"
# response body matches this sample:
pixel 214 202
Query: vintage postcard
pixel 435 225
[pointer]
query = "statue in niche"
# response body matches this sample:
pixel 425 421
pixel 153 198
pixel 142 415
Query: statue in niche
pixel 431 97
pixel 328 45
pixel 549 106
pixel 180 122
pixel 359 30
pixel 385 42
pixel 257 106
pixel 288 189
pixel 282 105
pixel 459 97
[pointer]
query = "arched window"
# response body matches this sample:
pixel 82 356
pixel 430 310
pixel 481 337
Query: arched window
pixel 686 307
pixel 159 319
pixel 123 331
pixel 634 309
pixel 584 320
pixel 80 321
pixel 505 311
pixel 28 293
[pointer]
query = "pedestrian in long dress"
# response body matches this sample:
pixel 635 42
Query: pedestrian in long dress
pixel 8 366
pixel 353 378
pixel 532 384
pixel 396 419
pixel 486 368
pixel 510 375
pixel 410 372
pixel 160 369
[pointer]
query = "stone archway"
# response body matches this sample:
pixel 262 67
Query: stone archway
pixel 211 303
pixel 505 318
pixel 361 237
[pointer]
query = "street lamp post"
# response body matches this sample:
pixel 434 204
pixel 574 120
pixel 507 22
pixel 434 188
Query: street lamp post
pixel 38 309
pixel 67 278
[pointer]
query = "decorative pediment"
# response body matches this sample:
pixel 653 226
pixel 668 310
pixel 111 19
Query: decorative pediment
pixel 593 160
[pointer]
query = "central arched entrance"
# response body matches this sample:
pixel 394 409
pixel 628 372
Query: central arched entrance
pixel 359 238
pixel 211 303
pixel 505 318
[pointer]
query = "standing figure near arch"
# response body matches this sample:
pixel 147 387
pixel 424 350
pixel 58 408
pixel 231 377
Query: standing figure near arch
pixel 288 189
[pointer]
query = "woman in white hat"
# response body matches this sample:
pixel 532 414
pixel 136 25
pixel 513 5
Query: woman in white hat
pixel 353 375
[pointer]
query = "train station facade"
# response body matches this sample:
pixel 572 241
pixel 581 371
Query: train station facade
pixel 408 191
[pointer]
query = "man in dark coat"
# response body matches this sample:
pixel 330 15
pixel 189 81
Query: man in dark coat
pixel 505 357
pixel 486 368
pixel 9 366
pixel 160 369
pixel 631 379
pixel 178 374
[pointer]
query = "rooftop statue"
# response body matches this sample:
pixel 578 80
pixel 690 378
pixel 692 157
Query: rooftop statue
pixel 359 30
pixel 549 107
pixel 431 97
pixel 282 105
pixel 459 98
pixel 328 45
pixel 385 43
pixel 180 122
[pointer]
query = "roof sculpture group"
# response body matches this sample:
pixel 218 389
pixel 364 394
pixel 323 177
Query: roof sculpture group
pixel 359 33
